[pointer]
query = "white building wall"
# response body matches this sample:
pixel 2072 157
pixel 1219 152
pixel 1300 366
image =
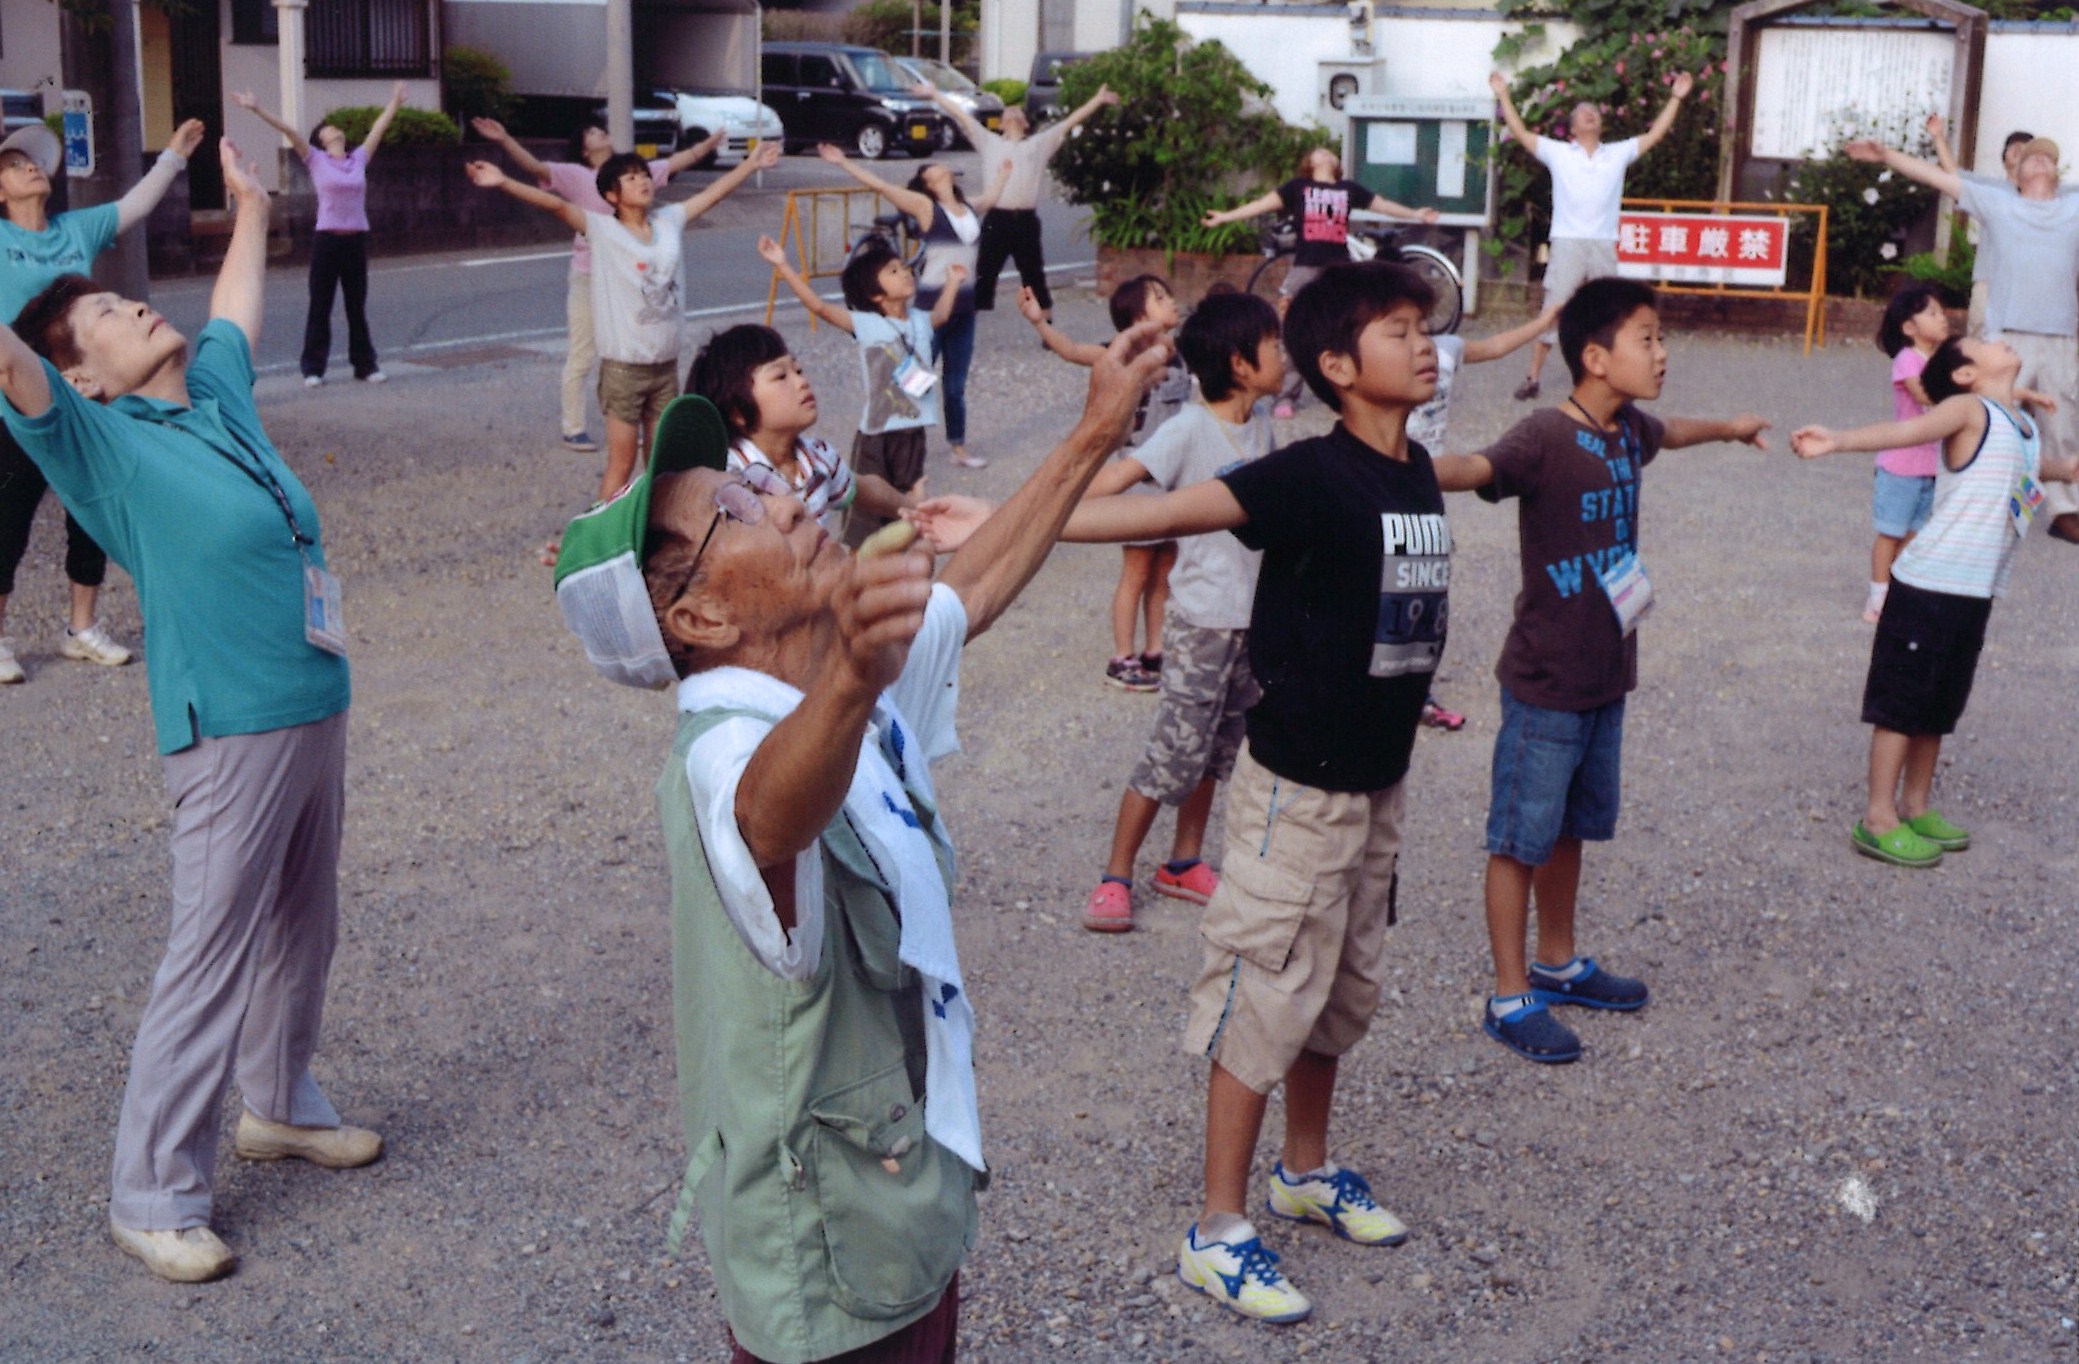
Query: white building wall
pixel 1428 53
pixel 31 61
pixel 2028 85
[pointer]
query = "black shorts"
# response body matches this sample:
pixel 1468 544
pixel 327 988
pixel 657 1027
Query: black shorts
pixel 1923 660
pixel 897 456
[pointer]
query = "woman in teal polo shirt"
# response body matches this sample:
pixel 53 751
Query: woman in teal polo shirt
pixel 35 248
pixel 157 448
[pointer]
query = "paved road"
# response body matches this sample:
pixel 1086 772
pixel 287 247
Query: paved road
pixel 429 303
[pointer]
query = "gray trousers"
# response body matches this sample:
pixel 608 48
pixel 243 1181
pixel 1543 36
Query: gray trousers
pixel 242 987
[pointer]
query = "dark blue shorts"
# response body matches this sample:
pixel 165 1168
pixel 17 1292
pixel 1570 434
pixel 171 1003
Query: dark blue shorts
pixel 1555 776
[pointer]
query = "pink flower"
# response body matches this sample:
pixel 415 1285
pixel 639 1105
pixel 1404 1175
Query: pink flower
pixel 1620 67
pixel 1723 67
pixel 1559 85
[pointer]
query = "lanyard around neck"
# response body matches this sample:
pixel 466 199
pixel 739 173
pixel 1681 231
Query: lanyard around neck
pixel 261 475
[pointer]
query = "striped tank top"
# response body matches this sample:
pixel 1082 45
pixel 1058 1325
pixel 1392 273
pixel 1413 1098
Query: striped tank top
pixel 1967 547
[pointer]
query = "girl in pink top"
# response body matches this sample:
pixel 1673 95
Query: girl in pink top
pixel 1903 492
pixel 339 248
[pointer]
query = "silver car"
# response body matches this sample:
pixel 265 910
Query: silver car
pixel 979 105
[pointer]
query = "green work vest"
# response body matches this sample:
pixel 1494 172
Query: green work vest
pixel 793 1093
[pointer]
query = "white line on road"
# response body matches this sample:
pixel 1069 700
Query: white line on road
pixel 515 260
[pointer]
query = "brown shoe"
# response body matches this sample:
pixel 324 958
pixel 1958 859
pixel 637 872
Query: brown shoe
pixel 190 1255
pixel 335 1148
pixel 1526 390
pixel 2065 526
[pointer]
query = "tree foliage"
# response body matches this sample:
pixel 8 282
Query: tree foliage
pixel 1193 126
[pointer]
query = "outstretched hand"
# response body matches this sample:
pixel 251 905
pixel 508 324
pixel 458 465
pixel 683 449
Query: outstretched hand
pixel 1864 149
pixel 1106 95
pixel 878 608
pixel 1936 126
pixel 949 519
pixel 771 252
pixel 766 157
pixel 185 139
pixel 1499 84
pixel 241 178
pixel 1128 368
pixel 1749 429
pixel 483 174
pixel 924 90
pixel 1810 442
pixel 835 156
pixel 489 129
pixel 1428 215
pixel 2042 402
pixel 1029 306
pixel 1684 83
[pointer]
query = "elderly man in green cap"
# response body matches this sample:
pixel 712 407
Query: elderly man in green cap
pixel 826 1082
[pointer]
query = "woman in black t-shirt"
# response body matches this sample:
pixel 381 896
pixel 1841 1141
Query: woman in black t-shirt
pixel 1319 201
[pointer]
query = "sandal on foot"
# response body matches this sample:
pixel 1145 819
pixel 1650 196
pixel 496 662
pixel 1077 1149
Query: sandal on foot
pixel 1940 832
pixel 1899 845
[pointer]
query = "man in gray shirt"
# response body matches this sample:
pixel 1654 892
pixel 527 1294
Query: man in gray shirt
pixel 2031 233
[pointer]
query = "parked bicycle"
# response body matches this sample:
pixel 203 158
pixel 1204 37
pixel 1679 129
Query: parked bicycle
pixel 898 232
pixel 1369 238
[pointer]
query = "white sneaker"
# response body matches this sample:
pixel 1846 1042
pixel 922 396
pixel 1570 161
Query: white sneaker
pixel 1241 1275
pixel 1338 1199
pixel 313 381
pixel 375 376
pixel 92 645
pixel 10 671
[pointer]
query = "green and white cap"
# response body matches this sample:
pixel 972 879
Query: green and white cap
pixel 599 586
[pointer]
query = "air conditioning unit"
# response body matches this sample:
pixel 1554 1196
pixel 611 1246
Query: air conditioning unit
pixel 1343 79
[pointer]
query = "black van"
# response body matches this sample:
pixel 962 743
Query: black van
pixel 854 97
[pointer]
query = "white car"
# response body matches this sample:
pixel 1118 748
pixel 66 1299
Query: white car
pixel 743 121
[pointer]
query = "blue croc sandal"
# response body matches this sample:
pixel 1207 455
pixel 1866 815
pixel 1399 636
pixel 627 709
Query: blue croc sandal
pixel 1593 987
pixel 1534 1034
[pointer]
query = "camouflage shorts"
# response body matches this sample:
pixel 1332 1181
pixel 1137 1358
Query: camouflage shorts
pixel 1207 690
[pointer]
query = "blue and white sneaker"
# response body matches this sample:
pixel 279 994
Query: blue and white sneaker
pixel 1340 1200
pixel 1241 1275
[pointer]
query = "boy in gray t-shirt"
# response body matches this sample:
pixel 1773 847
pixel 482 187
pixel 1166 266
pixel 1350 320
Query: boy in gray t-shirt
pixel 2031 233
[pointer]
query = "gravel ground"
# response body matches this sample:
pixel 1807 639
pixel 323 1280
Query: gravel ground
pixel 1841 1132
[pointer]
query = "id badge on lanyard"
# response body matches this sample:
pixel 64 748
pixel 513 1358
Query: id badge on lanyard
pixel 324 624
pixel 1623 578
pixel 913 377
pixel 2023 502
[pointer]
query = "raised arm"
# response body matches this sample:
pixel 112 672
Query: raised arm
pixel 492 131
pixel 134 207
pixel 1939 422
pixel 1196 509
pixel 1481 349
pixel 1938 133
pixel 1912 167
pixel 1085 353
pixel 975 132
pixel 244 100
pixel 484 175
pixel 685 158
pixel 1255 208
pixel 1745 429
pixel 942 311
pixel 374 140
pixel 775 255
pixel 992 568
pixel 1527 139
pixel 994 191
pixel 1665 119
pixel 913 202
pixel 1088 108
pixel 22 377
pixel 242 279
pixel 1393 208
pixel 765 158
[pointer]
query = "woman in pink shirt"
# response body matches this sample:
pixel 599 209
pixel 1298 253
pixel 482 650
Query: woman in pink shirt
pixel 339 248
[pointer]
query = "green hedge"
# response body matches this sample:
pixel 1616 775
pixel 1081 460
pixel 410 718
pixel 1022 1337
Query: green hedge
pixel 422 127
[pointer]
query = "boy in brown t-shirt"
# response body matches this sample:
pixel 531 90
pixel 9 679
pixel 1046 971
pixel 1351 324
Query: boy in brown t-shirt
pixel 1571 656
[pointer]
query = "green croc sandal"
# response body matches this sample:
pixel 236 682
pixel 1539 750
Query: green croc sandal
pixel 1940 832
pixel 1900 846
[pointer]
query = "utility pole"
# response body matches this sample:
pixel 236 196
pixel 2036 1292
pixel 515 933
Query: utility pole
pixel 945 32
pixel 620 73
pixel 100 58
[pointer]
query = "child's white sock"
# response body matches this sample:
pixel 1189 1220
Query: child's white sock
pixel 1504 1007
pixel 1574 967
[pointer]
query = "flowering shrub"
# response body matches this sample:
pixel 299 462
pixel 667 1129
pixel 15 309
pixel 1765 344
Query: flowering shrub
pixel 1869 211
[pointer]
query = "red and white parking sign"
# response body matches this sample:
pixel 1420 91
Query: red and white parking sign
pixel 1703 248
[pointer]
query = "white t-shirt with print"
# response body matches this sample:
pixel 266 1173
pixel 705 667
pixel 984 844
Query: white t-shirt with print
pixel 1587 190
pixel 635 286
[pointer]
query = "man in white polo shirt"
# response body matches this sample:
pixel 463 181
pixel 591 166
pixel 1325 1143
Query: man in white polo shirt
pixel 1587 187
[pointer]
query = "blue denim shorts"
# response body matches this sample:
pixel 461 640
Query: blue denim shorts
pixel 1555 776
pixel 1900 505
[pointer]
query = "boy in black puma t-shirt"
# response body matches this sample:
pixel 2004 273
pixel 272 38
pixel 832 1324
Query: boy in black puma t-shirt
pixel 1346 630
